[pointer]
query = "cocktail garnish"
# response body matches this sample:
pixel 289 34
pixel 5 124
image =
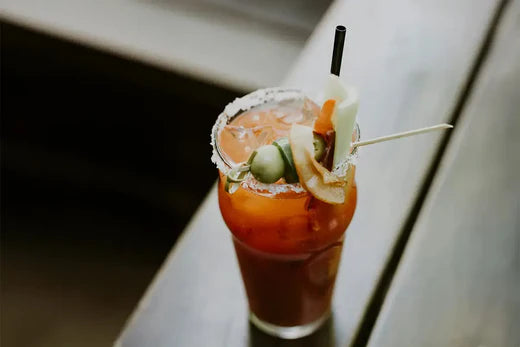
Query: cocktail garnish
pixel 324 121
pixel 290 174
pixel 267 165
pixel 235 176
pixel 344 117
pixel 327 176
pixel 344 122
pixel 301 141
pixel 320 147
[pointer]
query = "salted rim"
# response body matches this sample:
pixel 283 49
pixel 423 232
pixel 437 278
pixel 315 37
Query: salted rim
pixel 247 102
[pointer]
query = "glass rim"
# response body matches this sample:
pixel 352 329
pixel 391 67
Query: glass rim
pixel 255 99
pixel 244 104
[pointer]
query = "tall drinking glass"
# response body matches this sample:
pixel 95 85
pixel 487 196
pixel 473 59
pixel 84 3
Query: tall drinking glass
pixel 287 242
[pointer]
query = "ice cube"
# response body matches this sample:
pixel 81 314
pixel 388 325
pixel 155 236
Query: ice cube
pixel 288 112
pixel 237 132
pixel 263 134
pixel 301 111
pixel 290 116
pixel 238 142
pixel 235 142
pixel 310 112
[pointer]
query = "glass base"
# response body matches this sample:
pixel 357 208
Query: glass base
pixel 289 333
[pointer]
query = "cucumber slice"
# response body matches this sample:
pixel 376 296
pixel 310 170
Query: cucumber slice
pixel 285 150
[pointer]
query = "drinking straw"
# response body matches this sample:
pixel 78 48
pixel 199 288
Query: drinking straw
pixel 337 53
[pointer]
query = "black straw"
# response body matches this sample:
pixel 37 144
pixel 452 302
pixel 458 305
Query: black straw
pixel 337 54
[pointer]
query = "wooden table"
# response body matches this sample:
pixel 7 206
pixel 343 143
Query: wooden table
pixel 459 280
pixel 188 37
pixel 416 63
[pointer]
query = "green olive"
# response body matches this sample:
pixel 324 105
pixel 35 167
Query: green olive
pixel 290 174
pixel 319 146
pixel 267 165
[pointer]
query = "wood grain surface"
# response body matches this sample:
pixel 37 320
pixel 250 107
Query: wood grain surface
pixel 410 60
pixel 459 280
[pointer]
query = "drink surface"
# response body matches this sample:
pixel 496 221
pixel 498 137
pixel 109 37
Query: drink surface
pixel 288 243
pixel 264 124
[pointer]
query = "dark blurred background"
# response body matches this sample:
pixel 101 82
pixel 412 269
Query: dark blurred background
pixel 106 111
pixel 104 160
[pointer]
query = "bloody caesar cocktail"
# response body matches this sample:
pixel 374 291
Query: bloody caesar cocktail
pixel 288 243
pixel 287 193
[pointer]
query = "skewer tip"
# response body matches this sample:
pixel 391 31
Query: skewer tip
pixel 403 134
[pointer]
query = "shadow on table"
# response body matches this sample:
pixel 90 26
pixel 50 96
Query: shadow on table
pixel 323 337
